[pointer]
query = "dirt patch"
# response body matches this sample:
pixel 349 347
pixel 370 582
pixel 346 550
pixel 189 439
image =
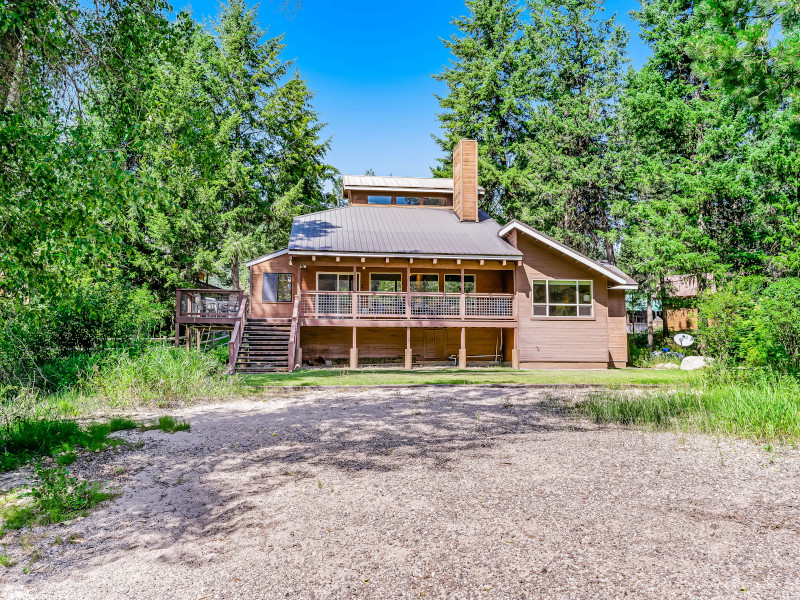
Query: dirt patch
pixel 444 493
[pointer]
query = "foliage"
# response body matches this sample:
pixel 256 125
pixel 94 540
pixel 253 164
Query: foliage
pixel 751 48
pixel 764 406
pixel 49 342
pixel 752 321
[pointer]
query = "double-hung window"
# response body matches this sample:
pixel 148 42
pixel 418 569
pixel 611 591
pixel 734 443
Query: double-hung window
pixel 276 287
pixel 562 298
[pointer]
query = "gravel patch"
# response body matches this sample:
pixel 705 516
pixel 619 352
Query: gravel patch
pixel 415 493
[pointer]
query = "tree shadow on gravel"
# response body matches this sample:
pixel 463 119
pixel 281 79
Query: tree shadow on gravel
pixel 211 483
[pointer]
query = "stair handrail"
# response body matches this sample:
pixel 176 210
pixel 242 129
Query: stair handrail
pixel 236 336
pixel 293 332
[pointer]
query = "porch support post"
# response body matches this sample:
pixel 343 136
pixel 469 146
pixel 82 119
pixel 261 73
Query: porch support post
pixel 408 291
pixel 298 350
pixel 409 352
pixel 462 303
pixel 354 301
pixel 354 351
pixel 462 353
pixel 515 349
pixel 177 316
pixel 188 338
pixel 515 312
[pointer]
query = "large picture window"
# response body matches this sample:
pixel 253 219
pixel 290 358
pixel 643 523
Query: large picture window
pixel 452 283
pixel 556 298
pixel 424 282
pixel 336 282
pixel 379 199
pixel 277 287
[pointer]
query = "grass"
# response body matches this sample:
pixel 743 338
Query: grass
pixel 5 561
pixel 23 439
pixel 167 424
pixel 55 496
pixel 761 407
pixel 346 377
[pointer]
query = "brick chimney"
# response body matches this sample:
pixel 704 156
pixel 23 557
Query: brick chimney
pixel 465 180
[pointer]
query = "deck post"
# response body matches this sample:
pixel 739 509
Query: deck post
pixel 462 353
pixel 354 351
pixel 409 357
pixel 177 317
pixel 515 350
pixel 188 338
pixel 462 303
pixel 408 291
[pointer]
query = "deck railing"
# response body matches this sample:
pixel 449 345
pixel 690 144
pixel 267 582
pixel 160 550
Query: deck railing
pixel 402 305
pixel 209 303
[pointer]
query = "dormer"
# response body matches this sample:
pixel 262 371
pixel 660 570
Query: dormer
pixel 361 190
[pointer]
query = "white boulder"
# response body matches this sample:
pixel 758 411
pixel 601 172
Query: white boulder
pixel 692 363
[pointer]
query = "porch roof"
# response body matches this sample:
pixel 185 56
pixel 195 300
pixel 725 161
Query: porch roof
pixel 398 230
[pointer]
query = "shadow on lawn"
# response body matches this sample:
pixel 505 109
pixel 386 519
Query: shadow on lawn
pixel 218 479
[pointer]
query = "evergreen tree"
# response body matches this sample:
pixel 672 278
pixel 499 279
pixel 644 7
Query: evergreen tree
pixel 271 165
pixel 573 129
pixel 487 100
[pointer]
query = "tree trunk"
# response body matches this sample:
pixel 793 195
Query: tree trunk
pixel 649 321
pixel 11 69
pixel 235 272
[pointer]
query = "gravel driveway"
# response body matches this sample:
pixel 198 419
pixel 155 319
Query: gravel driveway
pixel 423 493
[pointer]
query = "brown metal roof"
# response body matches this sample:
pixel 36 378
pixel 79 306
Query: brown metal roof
pixel 369 182
pixel 398 230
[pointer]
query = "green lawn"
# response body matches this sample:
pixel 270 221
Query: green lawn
pixel 611 377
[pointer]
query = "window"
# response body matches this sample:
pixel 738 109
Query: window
pixel 554 298
pixel 406 201
pixel 433 201
pixel 424 282
pixel 276 287
pixel 385 282
pixel 452 283
pixel 379 199
pixel 336 282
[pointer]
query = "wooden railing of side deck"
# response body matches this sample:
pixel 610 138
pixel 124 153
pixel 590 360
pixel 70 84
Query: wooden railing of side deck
pixel 293 333
pixel 236 336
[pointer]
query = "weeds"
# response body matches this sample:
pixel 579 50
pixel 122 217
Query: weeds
pixel 6 561
pixel 167 424
pixel 23 439
pixel 56 496
pixel 764 406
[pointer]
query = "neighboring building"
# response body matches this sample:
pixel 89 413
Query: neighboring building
pixel 683 290
pixel 411 271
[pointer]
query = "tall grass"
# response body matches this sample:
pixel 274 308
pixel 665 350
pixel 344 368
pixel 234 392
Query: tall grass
pixel 155 375
pixel 159 374
pixel 761 406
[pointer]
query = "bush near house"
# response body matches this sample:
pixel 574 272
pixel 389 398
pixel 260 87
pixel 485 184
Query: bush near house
pixel 754 322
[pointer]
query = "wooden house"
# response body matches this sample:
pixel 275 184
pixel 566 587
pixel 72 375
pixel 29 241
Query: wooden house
pixel 411 271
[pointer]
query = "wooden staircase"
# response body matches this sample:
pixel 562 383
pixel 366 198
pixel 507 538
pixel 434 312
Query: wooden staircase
pixel 264 348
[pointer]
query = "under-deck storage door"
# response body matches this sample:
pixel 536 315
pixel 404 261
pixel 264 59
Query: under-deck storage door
pixel 433 344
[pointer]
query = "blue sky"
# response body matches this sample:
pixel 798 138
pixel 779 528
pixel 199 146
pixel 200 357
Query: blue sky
pixel 370 65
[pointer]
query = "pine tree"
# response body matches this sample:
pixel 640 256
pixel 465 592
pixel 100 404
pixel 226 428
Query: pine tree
pixel 573 129
pixel 268 136
pixel 487 100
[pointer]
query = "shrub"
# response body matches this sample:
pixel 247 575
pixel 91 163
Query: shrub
pixel 50 343
pixel 753 322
